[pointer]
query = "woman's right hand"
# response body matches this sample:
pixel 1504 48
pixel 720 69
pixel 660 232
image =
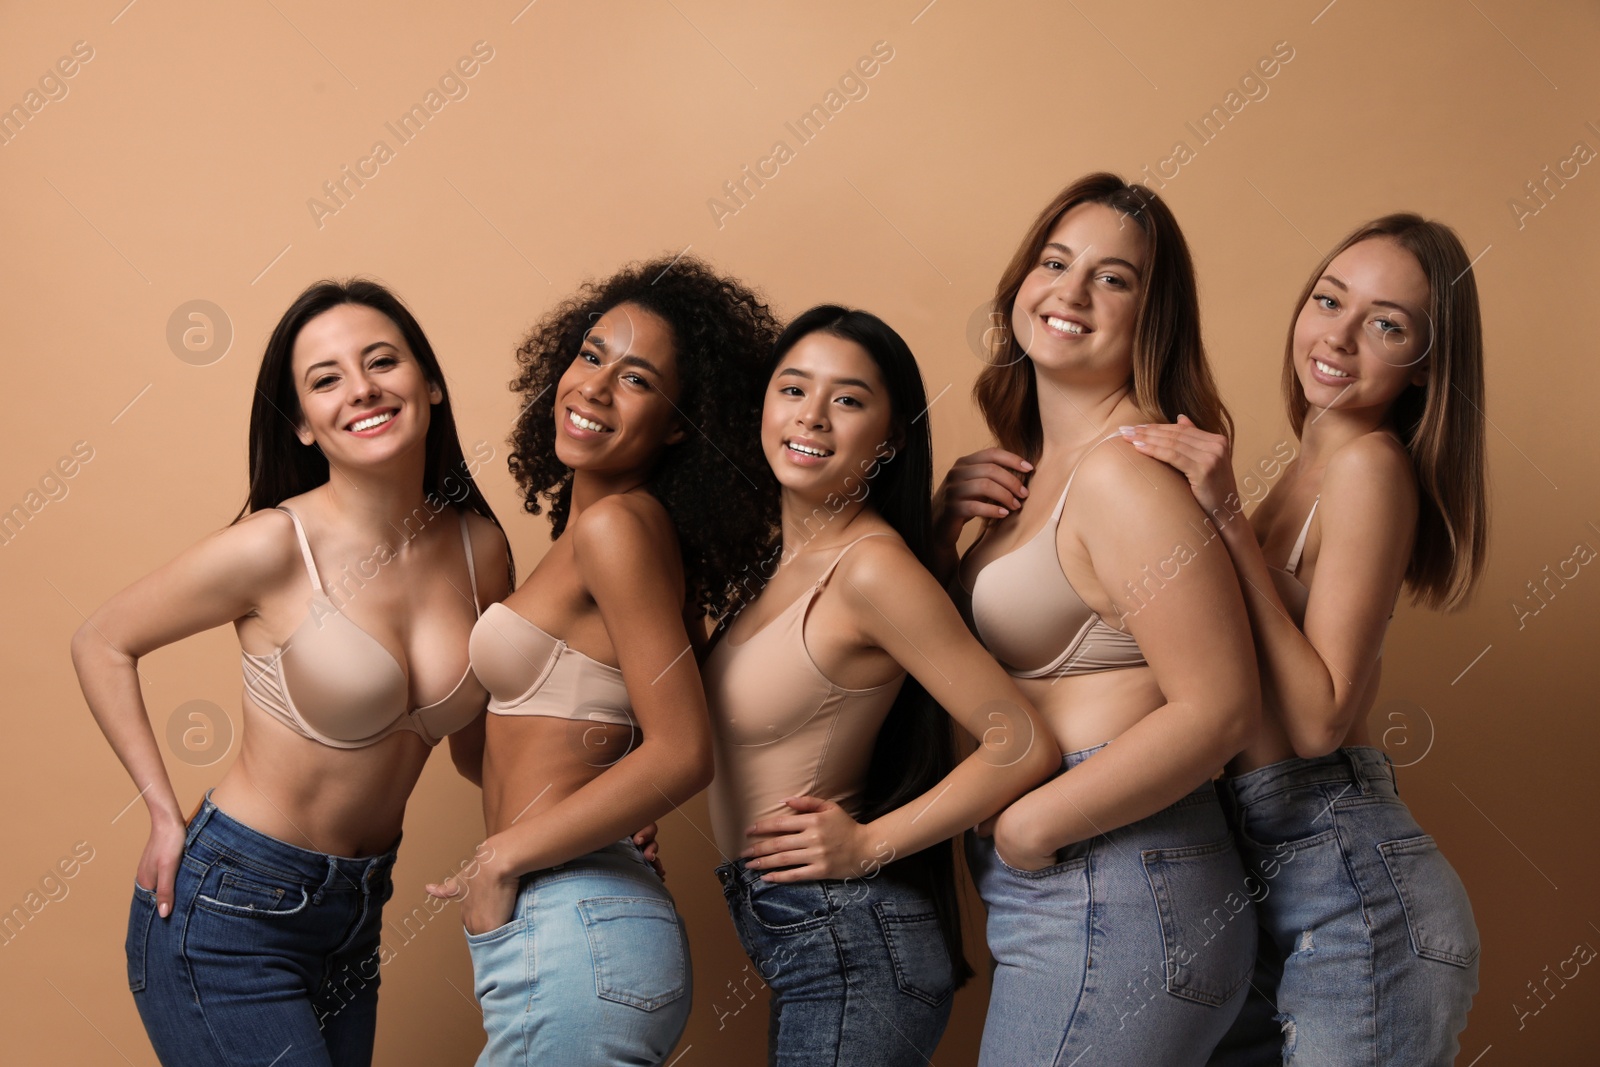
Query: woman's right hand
pixel 984 485
pixel 158 867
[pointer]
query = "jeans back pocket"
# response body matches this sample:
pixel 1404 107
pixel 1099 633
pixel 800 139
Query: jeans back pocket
pixel 1208 923
pixel 140 916
pixel 917 952
pixel 637 946
pixel 1438 913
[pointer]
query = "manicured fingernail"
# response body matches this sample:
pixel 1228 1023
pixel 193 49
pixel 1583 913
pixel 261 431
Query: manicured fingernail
pixel 1126 431
pixel 164 909
pixel 1015 502
pixel 1024 493
pixel 1004 512
pixel 1027 466
pixel 1140 444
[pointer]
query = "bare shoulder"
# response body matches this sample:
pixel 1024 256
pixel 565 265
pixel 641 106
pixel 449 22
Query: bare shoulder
pixel 263 542
pixel 882 564
pixel 632 525
pixel 1121 483
pixel 491 553
pixel 1373 457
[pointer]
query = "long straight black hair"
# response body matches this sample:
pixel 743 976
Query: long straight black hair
pixel 281 466
pixel 915 748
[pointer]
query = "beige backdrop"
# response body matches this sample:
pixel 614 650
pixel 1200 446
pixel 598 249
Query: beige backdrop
pixel 169 153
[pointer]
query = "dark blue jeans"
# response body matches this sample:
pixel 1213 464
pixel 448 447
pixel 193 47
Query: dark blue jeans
pixel 270 955
pixel 858 969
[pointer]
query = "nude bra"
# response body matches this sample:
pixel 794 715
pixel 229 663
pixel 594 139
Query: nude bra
pixel 352 692
pixel 529 672
pixel 1293 591
pixel 1028 616
pixel 782 728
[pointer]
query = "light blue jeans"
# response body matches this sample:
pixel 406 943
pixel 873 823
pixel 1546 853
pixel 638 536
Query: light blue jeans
pixel 1133 949
pixel 1369 953
pixel 592 969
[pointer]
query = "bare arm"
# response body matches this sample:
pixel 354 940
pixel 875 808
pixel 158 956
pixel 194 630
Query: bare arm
pixel 492 555
pixel 896 605
pixel 1194 632
pixel 1317 676
pixel 214 582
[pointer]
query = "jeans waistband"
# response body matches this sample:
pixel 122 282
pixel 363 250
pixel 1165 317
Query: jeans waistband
pixel 1365 770
pixel 212 828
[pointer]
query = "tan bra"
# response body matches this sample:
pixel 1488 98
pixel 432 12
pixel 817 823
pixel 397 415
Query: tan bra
pixel 351 691
pixel 529 672
pixel 1029 617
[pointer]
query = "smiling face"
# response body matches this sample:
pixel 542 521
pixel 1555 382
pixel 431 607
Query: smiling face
pixel 826 416
pixel 615 405
pixel 363 396
pixel 1077 308
pixel 1363 335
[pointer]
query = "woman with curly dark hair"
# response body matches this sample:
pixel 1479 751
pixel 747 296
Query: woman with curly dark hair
pixel 639 432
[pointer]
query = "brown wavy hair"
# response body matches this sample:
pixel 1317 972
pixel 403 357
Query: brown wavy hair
pixel 1170 373
pixel 1440 422
pixel 714 482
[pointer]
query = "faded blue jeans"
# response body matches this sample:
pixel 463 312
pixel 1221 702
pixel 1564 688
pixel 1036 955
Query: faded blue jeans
pixel 270 955
pixel 1369 953
pixel 592 969
pixel 1133 949
pixel 858 967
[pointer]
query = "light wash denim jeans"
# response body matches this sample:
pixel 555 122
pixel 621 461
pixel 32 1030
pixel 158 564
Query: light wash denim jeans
pixel 1132 950
pixel 270 954
pixel 1369 953
pixel 858 968
pixel 592 969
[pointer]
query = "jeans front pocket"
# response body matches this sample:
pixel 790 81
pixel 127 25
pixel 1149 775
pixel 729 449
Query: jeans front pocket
pixel 140 916
pixel 637 946
pixel 1208 924
pixel 234 894
pixel 917 951
pixel 1438 913
pixel 788 907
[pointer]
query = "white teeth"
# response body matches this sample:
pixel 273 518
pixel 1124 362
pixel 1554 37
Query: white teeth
pixel 1064 325
pixel 1331 372
pixel 803 450
pixel 586 424
pixel 376 420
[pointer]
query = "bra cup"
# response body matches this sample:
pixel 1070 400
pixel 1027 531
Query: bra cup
pixel 346 686
pixel 509 659
pixel 1295 596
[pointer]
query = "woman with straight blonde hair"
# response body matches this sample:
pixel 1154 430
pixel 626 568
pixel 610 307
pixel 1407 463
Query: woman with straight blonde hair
pixel 1368 950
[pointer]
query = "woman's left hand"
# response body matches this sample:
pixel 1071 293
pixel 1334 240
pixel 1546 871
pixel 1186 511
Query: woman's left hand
pixel 1203 458
pixel 820 840
pixel 488 896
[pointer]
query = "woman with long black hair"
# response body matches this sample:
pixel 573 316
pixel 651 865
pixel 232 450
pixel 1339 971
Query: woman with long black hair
pixel 837 791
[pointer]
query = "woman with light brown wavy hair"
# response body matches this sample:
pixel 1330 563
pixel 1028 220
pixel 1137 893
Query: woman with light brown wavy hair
pixel 1095 583
pixel 1369 952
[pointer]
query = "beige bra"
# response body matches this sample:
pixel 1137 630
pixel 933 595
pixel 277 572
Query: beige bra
pixel 1029 617
pixel 352 693
pixel 529 672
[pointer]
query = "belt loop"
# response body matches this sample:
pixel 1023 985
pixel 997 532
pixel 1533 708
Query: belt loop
pixel 199 821
pixel 333 869
pixel 1358 774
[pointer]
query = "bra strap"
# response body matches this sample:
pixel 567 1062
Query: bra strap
pixel 305 549
pixel 1300 543
pixel 472 572
pixel 1061 504
pixel 828 573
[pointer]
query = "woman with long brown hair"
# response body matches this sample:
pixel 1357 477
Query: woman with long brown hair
pixel 1369 952
pixel 1115 920
pixel 353 578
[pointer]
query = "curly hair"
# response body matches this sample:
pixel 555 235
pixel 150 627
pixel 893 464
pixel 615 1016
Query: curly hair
pixel 714 483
